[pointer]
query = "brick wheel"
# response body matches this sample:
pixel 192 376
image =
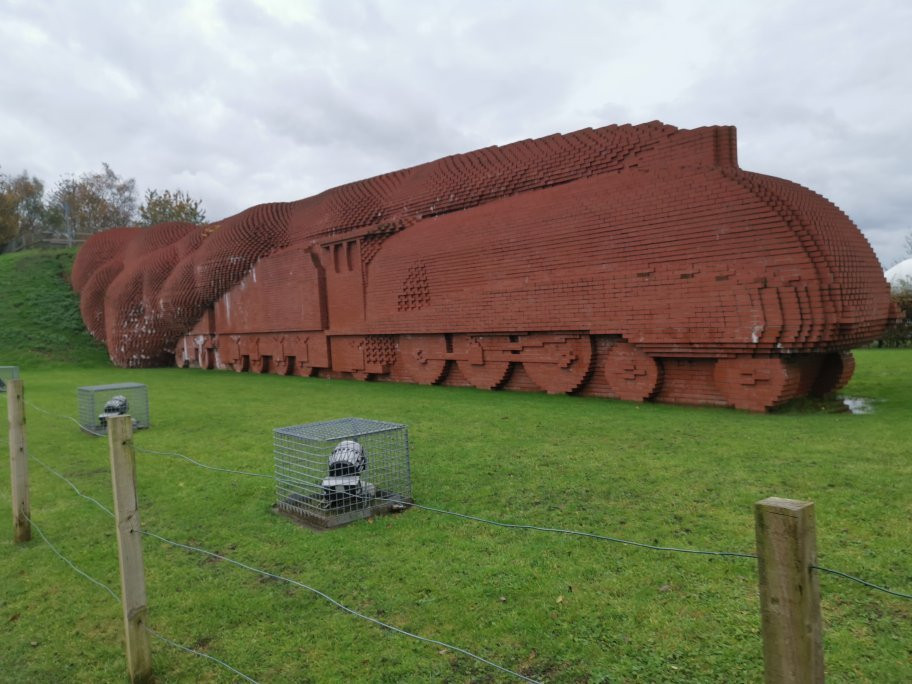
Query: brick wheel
pixel 756 384
pixel 631 373
pixel 481 372
pixel 565 363
pixel 421 357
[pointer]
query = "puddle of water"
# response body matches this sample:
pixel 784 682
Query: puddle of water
pixel 858 406
pixel 831 404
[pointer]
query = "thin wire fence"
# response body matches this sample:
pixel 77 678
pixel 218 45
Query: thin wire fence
pixel 76 489
pixel 288 580
pixel 114 595
pixel 847 576
pixel 72 565
pixel 170 642
pixel 64 417
pixel 522 526
pixel 496 523
pixel 338 604
pixel 201 465
pixel 579 533
pixel 94 580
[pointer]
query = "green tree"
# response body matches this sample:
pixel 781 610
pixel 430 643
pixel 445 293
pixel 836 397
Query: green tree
pixel 92 202
pixel 161 207
pixel 23 216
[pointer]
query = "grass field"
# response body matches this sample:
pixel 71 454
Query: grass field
pixel 554 607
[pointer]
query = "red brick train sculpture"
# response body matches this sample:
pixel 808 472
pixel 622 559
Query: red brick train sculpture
pixel 637 262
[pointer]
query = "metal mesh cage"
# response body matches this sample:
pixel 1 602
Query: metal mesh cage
pixel 7 373
pixel 333 472
pixel 97 402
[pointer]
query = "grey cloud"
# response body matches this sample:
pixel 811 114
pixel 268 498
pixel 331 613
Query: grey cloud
pixel 819 95
pixel 239 103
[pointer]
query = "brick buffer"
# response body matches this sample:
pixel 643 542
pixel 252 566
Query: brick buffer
pixel 637 262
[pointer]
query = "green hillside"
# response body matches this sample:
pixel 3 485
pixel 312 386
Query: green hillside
pixel 39 312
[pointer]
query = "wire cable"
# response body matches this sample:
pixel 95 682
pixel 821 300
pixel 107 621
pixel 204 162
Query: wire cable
pixel 578 533
pixel 201 465
pixel 478 519
pixel 100 505
pixel 861 581
pixel 71 563
pixel 65 417
pixel 117 598
pixel 173 643
pixel 265 573
pixel 338 604
pixel 496 523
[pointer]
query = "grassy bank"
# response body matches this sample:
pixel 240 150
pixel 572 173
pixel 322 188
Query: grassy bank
pixel 555 607
pixel 39 312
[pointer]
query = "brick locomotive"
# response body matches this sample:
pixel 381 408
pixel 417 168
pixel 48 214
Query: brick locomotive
pixel 635 262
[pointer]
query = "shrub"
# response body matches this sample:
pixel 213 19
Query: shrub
pixel 900 333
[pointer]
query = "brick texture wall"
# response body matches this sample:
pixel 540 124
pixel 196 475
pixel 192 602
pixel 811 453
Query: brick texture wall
pixel 637 262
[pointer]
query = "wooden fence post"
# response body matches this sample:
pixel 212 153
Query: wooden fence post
pixel 789 591
pixel 129 547
pixel 15 410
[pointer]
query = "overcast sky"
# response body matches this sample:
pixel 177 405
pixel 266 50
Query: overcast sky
pixel 248 101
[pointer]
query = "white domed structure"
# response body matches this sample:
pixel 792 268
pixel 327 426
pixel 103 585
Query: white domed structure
pixel 900 274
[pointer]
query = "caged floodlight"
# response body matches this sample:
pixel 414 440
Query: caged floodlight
pixel 115 406
pixel 7 373
pixel 99 403
pixel 331 473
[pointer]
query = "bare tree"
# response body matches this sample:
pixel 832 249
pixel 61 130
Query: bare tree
pixel 91 203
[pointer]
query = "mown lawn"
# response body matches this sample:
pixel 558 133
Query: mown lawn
pixel 554 607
